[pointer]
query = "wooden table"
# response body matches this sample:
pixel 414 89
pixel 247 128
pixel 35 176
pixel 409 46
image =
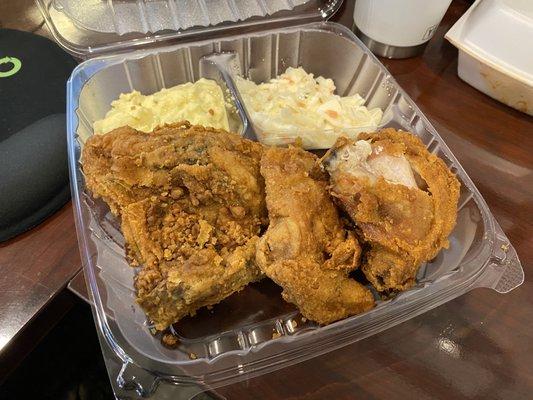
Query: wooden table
pixel 477 346
pixel 36 266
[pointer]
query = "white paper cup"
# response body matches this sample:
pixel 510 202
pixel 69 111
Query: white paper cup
pixel 398 28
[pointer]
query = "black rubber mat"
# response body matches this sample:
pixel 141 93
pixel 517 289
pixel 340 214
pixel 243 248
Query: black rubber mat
pixel 33 155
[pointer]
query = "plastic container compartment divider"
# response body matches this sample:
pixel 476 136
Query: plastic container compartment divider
pixel 262 333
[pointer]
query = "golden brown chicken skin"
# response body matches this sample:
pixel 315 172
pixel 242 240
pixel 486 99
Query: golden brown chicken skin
pixel 191 201
pixel 402 198
pixel 305 249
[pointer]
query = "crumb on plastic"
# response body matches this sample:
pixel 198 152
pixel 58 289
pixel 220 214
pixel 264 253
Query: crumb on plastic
pixel 276 335
pixel 193 356
pixel 169 340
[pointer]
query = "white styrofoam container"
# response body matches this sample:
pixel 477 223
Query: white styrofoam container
pixel 495 42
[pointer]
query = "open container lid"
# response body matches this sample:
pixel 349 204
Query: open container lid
pixel 93 27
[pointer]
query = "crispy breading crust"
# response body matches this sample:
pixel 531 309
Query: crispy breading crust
pixel 191 200
pixel 192 206
pixel 405 226
pixel 306 250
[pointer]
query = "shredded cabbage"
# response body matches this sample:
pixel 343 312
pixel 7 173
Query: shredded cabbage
pixel 295 105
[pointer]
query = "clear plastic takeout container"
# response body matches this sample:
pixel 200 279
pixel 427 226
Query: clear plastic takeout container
pixel 254 331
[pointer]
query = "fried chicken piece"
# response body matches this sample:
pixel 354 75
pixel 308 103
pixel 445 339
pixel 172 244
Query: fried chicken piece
pixel 305 249
pixel 103 178
pixel 191 200
pixel 125 165
pixel 402 198
pixel 185 266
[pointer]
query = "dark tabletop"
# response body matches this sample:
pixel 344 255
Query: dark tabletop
pixel 479 346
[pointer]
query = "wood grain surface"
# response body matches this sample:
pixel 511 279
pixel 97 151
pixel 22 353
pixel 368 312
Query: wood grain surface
pixel 479 346
pixel 34 268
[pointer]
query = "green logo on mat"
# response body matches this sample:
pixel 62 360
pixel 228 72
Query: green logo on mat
pixel 16 65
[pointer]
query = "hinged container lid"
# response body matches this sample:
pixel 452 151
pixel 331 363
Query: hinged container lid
pixel 87 28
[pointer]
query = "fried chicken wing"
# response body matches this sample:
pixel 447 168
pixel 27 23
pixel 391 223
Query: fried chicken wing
pixel 402 198
pixel 191 201
pixel 305 249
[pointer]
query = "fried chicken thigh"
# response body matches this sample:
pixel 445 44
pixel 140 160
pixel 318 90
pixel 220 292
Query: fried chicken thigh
pixel 192 205
pixel 305 249
pixel 402 198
